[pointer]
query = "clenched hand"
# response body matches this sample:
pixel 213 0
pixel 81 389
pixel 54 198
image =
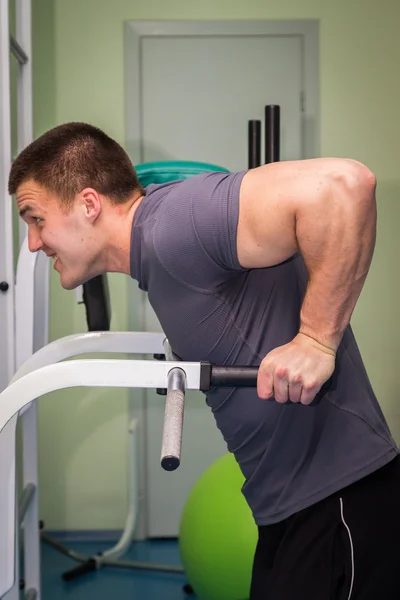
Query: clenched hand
pixel 295 371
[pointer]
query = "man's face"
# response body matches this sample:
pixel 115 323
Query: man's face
pixel 67 237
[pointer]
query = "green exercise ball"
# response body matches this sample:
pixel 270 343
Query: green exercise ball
pixel 218 535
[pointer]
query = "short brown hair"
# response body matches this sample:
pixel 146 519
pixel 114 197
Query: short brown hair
pixel 70 157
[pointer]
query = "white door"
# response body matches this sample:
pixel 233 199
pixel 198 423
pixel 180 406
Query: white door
pixel 190 97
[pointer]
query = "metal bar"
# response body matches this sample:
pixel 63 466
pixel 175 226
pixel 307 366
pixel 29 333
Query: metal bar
pixel 173 420
pixel 9 551
pixel 14 593
pixel 35 335
pixel 27 497
pixel 91 373
pixel 31 333
pixel 254 144
pixel 133 499
pixel 110 562
pixel 17 51
pixel 31 518
pixel 272 133
pixel 9 527
pixel 234 376
pixel 7 352
pixel 25 104
pixel 9 562
pixel 145 566
pixel 88 343
pixel 24 88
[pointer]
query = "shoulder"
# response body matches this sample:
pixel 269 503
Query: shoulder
pixel 204 203
pixel 207 185
pixel 195 231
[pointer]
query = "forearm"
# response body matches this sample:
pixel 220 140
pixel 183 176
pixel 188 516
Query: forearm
pixel 336 237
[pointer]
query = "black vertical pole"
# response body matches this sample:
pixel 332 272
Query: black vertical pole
pixel 272 133
pixel 254 144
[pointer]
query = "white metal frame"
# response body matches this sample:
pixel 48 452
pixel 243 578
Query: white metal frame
pixel 24 91
pixel 43 373
pixel 31 333
pixel 7 362
pixel 24 301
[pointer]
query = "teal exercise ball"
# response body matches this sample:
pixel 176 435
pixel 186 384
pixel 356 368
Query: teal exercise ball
pixel 218 535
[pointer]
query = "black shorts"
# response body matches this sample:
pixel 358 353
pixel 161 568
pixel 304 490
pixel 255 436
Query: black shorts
pixel 346 547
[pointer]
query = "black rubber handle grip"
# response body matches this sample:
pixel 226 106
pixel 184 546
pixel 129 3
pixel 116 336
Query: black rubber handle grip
pixel 240 376
pixel 234 376
pixel 84 569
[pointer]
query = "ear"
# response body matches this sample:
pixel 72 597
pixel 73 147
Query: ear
pixel 91 203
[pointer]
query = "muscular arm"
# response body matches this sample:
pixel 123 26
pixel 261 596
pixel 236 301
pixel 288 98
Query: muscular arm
pixel 324 208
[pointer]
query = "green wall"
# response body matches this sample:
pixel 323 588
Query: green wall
pixel 79 75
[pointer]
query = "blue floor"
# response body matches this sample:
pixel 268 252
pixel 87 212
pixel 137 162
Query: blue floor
pixel 111 583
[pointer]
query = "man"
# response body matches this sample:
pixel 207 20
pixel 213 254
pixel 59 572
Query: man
pixel 262 267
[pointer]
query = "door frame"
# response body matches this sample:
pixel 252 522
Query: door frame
pixel 137 31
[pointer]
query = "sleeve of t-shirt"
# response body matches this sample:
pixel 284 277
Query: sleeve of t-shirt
pixel 196 230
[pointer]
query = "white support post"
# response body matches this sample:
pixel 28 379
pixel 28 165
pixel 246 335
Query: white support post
pixel 19 344
pixel 7 320
pixel 24 38
pixel 9 523
pixel 7 352
pixel 31 531
pixel 7 333
pixel 25 102
pixel 25 338
pixel 31 305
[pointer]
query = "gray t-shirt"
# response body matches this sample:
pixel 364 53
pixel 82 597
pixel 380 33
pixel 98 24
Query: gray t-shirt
pixel 183 253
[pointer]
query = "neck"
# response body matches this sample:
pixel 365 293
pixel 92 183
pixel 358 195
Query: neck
pixel 116 254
